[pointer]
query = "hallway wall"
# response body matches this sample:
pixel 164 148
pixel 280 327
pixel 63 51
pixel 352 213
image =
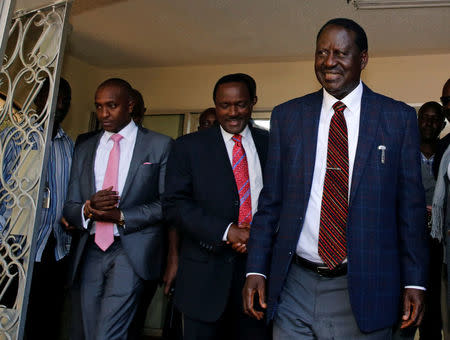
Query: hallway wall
pixel 413 79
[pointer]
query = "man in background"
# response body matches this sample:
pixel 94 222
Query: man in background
pixel 53 242
pixel 207 119
pixel 431 122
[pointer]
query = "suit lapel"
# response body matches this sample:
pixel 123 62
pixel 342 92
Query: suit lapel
pixel 138 152
pixel 90 160
pixel 309 133
pixel 222 159
pixel 368 125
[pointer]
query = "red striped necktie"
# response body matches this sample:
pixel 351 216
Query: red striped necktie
pixel 333 215
pixel 240 170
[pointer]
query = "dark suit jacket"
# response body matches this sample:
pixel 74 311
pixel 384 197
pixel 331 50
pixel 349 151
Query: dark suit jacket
pixel 142 237
pixel 201 200
pixel 386 240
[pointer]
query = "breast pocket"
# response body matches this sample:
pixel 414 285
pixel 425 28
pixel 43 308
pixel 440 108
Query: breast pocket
pixel 146 178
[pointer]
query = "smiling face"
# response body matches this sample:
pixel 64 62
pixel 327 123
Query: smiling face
pixel 113 107
pixel 233 106
pixel 338 61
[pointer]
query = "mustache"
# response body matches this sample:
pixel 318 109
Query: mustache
pixel 335 69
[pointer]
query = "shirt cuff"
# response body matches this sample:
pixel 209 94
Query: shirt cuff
pixel 248 274
pixel 225 234
pixel 416 287
pixel 83 220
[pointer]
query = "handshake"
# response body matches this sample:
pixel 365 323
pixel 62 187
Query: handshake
pixel 238 235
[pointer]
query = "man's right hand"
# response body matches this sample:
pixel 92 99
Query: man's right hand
pixel 105 199
pixel 66 224
pixel 254 284
pixel 238 234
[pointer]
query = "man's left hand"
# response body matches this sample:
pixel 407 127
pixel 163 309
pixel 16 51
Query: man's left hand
pixel 413 307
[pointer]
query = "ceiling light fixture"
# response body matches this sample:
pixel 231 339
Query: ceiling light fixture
pixel 386 4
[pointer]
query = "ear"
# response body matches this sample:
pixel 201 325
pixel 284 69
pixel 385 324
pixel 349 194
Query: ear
pixel 130 106
pixel 364 59
pixel 255 100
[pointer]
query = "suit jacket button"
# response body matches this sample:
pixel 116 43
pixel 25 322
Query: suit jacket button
pixel 236 203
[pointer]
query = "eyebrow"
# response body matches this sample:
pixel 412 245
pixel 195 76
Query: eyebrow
pixel 106 103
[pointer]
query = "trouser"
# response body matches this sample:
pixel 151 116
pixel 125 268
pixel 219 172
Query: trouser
pixel 315 307
pixel 47 295
pixel 110 291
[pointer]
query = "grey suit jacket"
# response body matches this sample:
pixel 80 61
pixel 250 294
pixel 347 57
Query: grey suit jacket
pixel 142 237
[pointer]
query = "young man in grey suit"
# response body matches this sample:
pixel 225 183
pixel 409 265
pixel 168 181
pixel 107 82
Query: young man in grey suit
pixel 114 197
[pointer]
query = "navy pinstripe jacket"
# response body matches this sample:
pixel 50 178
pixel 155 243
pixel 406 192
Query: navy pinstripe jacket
pixel 386 240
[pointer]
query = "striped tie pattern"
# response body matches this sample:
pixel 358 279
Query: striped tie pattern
pixel 240 170
pixel 333 215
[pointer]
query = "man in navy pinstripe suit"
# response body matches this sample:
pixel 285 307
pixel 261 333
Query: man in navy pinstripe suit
pixel 385 255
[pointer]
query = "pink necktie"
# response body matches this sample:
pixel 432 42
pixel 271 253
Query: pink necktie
pixel 104 231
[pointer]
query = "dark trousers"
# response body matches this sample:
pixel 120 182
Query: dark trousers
pixel 431 326
pixel 233 324
pixel 47 295
pixel 139 319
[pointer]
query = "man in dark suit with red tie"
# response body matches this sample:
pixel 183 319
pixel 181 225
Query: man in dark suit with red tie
pixel 339 234
pixel 212 187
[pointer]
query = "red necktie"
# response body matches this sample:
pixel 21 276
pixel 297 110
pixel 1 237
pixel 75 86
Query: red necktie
pixel 240 170
pixel 333 215
pixel 104 231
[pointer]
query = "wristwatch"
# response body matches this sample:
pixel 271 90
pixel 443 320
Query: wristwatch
pixel 122 219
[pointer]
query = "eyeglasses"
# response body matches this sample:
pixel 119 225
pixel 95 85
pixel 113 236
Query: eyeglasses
pixel 445 100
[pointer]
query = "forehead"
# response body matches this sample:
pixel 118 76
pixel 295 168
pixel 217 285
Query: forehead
pixel 110 93
pixel 429 111
pixel 338 36
pixel 233 89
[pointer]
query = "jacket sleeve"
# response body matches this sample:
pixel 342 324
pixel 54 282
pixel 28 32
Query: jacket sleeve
pixel 74 201
pixel 414 254
pixel 266 219
pixel 180 206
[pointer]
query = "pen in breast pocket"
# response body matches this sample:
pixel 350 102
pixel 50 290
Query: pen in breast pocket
pixel 382 148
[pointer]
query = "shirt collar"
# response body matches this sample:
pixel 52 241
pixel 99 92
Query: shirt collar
pixel 60 133
pixel 427 160
pixel 126 132
pixel 227 136
pixel 352 101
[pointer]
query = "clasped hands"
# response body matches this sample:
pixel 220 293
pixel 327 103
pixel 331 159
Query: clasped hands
pixel 102 206
pixel 238 235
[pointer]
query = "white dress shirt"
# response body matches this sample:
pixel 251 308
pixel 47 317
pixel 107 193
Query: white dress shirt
pixel 105 145
pixel 254 166
pixel 307 246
